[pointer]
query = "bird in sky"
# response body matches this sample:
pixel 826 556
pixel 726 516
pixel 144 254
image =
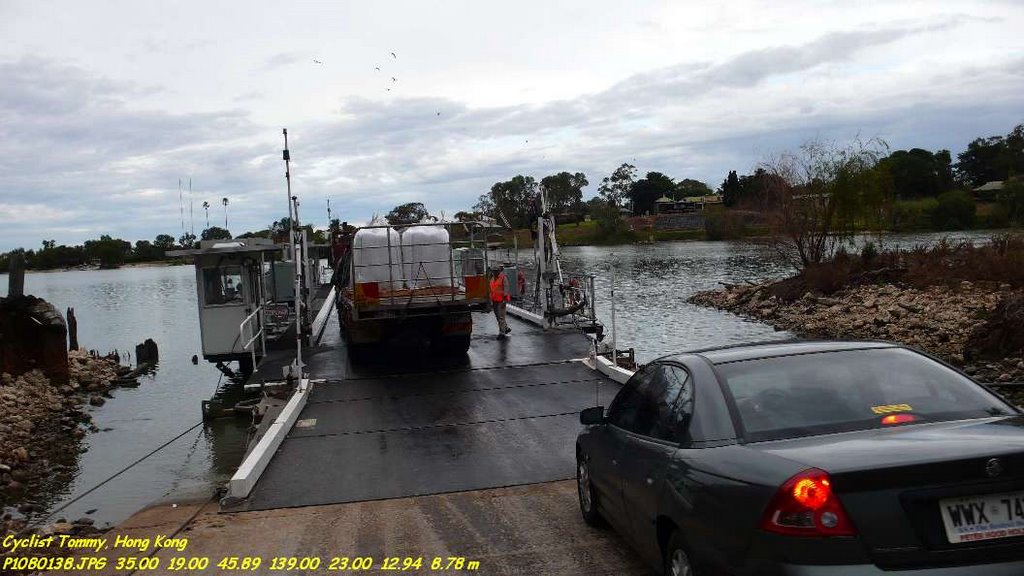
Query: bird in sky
pixel 315 61
pixel 438 113
pixel 393 55
pixel 377 68
pixel 527 141
pixel 389 89
pixel 393 79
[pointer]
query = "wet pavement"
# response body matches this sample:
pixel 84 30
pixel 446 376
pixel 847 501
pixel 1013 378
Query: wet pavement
pixel 505 415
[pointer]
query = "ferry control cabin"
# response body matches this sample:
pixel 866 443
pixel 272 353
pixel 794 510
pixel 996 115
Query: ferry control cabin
pixel 245 292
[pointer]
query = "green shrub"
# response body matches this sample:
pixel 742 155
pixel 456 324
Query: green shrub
pixel 1011 199
pixel 955 211
pixel 911 215
pixel 723 225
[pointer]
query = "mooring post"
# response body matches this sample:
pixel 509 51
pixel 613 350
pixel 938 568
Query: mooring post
pixel 16 275
pixel 72 330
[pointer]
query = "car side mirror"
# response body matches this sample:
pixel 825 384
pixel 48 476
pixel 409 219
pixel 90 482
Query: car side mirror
pixel 591 416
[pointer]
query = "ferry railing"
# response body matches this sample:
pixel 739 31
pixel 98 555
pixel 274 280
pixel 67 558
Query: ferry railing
pixel 253 336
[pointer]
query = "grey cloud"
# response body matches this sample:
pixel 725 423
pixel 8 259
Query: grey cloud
pixel 281 59
pixel 67 139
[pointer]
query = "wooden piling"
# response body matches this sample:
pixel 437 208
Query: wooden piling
pixel 16 275
pixel 72 329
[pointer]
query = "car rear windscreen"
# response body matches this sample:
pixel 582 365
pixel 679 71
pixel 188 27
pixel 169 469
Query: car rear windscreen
pixel 823 393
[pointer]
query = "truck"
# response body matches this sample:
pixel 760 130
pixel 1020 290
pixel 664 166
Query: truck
pixel 415 282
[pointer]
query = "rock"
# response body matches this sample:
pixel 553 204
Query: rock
pixel 1004 287
pixel 966 285
pixel 83 521
pixel 21 454
pixel 26 508
pixel 1005 377
pixel 97 401
pixel 4 468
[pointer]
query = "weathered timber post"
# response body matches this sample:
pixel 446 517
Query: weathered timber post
pixel 16 275
pixel 147 353
pixel 72 329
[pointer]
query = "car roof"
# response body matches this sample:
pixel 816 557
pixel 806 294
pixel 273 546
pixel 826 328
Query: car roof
pixel 755 350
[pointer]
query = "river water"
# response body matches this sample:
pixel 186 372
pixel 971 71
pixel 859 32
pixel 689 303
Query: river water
pixel 118 309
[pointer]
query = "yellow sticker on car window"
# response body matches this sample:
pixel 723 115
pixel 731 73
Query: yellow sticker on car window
pixel 890 408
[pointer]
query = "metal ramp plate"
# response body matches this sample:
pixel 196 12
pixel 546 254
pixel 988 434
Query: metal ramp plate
pixel 387 435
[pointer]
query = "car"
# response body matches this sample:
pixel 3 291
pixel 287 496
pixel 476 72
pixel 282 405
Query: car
pixel 808 458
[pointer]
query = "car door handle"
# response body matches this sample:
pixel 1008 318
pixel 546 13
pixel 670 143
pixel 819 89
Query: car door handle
pixel 650 480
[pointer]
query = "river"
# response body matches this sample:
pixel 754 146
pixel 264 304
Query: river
pixel 118 309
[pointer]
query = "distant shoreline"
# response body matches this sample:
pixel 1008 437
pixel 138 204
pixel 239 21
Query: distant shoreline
pixel 151 264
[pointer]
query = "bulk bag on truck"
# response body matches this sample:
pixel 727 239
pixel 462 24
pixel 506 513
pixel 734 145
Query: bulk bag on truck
pixel 371 261
pixel 426 256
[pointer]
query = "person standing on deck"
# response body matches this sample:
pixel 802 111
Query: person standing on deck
pixel 500 295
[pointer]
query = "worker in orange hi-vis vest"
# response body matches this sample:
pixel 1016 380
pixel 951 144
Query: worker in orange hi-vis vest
pixel 500 295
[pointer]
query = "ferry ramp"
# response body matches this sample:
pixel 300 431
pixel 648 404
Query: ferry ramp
pixel 408 424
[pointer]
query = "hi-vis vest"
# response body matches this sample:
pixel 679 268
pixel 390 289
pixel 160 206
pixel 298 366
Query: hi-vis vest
pixel 498 289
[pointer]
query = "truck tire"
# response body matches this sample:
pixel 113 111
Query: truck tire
pixel 451 345
pixel 358 353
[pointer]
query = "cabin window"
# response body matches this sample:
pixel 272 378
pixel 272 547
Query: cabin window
pixel 223 285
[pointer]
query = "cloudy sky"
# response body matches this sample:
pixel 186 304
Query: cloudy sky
pixel 105 105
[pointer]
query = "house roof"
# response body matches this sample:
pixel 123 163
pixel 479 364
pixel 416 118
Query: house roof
pixel 664 200
pixel 989 186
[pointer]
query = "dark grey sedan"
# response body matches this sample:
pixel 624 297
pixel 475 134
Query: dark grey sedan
pixel 808 458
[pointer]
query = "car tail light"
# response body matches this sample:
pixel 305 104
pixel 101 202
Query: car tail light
pixel 806 506
pixel 898 419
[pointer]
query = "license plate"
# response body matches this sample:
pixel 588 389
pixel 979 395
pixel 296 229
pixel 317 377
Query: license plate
pixel 987 517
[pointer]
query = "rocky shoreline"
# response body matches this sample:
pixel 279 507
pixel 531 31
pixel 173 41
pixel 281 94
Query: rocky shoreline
pixel 938 319
pixel 41 427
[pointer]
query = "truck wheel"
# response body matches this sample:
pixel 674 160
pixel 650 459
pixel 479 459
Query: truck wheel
pixel 245 366
pixel 358 353
pixel 451 345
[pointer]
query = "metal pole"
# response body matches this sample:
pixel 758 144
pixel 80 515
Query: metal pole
pixel 295 258
pixel 615 341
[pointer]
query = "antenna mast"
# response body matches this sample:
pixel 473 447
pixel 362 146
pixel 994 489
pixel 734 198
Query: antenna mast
pixel 191 220
pixel 292 231
pixel 181 208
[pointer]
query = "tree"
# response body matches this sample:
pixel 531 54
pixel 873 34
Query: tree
pixel 145 251
pixel 730 190
pixel 817 198
pixel 49 244
pixel 164 241
pixel 615 188
pixel 689 187
pixel 408 213
pixel 224 201
pixel 206 207
pixel 187 240
pixel 216 233
pixel 992 158
pixel 564 192
pixel 609 221
pixel 646 191
pixel 111 252
pixel 918 173
pixel 513 201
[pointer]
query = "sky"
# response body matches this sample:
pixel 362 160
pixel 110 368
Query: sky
pixel 105 106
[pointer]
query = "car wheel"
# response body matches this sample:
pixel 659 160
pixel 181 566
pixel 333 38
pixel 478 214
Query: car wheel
pixel 677 559
pixel 585 488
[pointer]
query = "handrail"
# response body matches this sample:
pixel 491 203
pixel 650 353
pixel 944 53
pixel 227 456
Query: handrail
pixel 249 342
